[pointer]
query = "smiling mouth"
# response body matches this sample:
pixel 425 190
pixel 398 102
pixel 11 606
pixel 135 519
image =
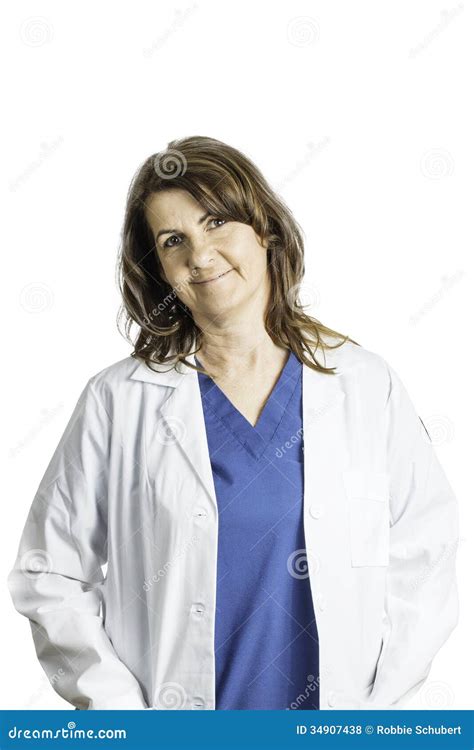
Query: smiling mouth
pixel 215 278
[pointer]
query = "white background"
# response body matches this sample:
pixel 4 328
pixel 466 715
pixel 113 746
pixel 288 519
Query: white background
pixel 359 114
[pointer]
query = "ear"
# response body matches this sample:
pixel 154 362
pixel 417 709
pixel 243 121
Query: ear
pixel 265 242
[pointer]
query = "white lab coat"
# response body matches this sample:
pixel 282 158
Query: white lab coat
pixel 130 484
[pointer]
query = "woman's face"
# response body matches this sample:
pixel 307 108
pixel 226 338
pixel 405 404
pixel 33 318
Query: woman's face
pixel 195 248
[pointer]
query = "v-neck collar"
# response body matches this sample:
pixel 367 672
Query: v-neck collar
pixel 255 439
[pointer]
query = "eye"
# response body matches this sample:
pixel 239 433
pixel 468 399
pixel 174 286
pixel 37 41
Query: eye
pixel 218 218
pixel 168 242
pixel 173 236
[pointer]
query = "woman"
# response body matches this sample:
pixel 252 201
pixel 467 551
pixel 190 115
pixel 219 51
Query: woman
pixel 277 530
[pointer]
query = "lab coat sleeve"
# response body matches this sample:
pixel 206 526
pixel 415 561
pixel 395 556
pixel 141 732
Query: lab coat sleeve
pixel 56 579
pixel 421 601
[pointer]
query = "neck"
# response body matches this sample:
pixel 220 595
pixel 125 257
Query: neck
pixel 239 348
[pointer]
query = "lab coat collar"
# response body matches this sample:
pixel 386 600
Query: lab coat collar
pixel 321 389
pixel 183 414
pixel 162 374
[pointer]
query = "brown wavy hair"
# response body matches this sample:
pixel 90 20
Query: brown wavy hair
pixel 228 185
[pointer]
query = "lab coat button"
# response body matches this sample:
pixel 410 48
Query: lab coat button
pixel 198 608
pixel 197 702
pixel 331 698
pixel 316 511
pixel 200 512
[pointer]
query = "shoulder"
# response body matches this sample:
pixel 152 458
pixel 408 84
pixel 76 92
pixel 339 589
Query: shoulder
pixel 360 369
pixel 351 358
pixel 116 372
pixel 113 379
pixel 119 382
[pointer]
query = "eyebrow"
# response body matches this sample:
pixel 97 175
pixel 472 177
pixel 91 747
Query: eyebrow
pixel 176 231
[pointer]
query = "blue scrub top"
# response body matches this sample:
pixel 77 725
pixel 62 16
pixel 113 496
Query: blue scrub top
pixel 266 640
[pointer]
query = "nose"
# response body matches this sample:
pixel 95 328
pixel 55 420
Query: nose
pixel 201 251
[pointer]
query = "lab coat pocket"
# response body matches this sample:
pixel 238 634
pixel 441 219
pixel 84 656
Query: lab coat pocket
pixel 369 516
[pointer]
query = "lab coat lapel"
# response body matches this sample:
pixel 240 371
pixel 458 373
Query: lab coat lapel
pixel 183 417
pixel 321 393
pixel 323 424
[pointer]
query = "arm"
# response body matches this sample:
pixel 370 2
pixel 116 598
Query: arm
pixel 421 601
pixel 56 580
